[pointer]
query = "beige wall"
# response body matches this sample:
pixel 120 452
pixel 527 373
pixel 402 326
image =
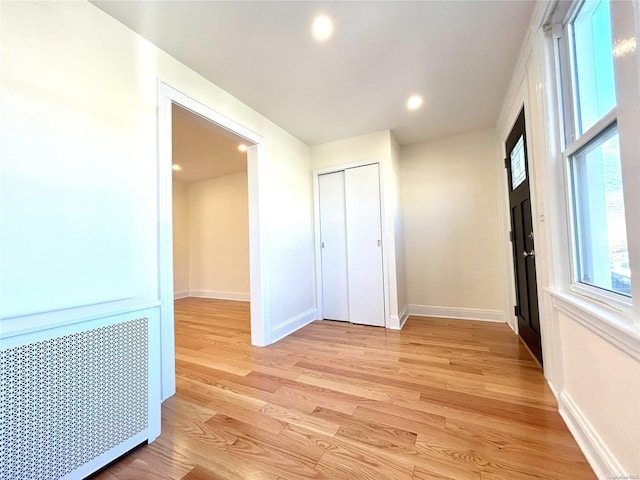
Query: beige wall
pixel 219 237
pixel 449 206
pixel 180 239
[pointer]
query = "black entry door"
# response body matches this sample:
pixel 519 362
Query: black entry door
pixel 517 164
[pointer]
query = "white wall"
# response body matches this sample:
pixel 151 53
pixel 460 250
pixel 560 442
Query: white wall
pixel 450 204
pixel 219 237
pixel 380 146
pixel 398 231
pixel 180 239
pixel 79 166
pixel 349 150
pixel 612 409
pixel 591 352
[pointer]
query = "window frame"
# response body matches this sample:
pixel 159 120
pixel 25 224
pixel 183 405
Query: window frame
pixel 571 143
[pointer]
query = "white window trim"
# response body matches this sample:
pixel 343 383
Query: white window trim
pixel 571 144
pixel 596 130
pixel 616 328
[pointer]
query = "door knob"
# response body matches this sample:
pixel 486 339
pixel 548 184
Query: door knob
pixel 529 254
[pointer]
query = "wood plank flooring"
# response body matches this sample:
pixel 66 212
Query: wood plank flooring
pixel 441 399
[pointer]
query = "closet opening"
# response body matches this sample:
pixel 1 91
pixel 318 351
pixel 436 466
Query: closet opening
pixel 351 286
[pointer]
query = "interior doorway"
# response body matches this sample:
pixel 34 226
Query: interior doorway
pixel 258 266
pixel 210 210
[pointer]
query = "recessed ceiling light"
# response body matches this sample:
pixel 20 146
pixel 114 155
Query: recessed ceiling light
pixel 176 167
pixel 242 148
pixel 414 102
pixel 322 28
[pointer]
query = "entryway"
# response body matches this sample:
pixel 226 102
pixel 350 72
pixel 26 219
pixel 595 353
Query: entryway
pixel 522 238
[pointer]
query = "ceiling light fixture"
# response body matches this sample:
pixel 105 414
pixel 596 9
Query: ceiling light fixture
pixel 322 28
pixel 242 148
pixel 414 102
pixel 176 167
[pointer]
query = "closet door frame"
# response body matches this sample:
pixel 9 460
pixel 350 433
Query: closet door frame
pixel 317 242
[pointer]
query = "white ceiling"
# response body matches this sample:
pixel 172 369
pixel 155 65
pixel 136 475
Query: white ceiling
pixel 203 149
pixel 459 55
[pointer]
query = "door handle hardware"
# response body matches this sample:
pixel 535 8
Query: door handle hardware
pixel 322 245
pixel 379 243
pixel 529 254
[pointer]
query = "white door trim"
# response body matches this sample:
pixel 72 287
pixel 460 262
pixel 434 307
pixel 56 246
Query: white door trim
pixel 259 286
pixel 316 226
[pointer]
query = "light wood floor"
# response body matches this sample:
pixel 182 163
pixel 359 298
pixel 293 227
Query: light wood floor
pixel 441 399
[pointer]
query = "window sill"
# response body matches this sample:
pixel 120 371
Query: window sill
pixel 613 326
pixel 618 304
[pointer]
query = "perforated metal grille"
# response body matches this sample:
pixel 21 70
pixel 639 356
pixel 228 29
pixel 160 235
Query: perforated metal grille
pixel 66 400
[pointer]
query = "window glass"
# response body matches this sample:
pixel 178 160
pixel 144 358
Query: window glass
pixel 518 165
pixel 594 80
pixel 601 236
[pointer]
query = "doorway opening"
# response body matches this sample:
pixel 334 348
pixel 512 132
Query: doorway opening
pixel 210 210
pixel 170 101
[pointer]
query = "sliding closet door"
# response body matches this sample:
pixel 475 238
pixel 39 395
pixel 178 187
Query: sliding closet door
pixel 333 235
pixel 364 237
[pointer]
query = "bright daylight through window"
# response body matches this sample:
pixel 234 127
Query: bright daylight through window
pixel 601 257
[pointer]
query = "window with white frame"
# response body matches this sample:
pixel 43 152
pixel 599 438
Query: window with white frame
pixel 592 154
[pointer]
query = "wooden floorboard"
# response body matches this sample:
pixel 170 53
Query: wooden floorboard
pixel 441 399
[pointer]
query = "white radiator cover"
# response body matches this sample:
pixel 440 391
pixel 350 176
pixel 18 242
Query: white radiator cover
pixel 77 396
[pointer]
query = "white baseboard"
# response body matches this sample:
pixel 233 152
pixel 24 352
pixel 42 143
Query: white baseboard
pixel 180 294
pixel 554 390
pixel 243 297
pixel 457 313
pixel 291 325
pixel 601 459
pixel 397 322
pixel 404 315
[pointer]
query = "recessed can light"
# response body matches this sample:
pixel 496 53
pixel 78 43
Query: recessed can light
pixel 176 167
pixel 322 28
pixel 414 102
pixel 242 148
